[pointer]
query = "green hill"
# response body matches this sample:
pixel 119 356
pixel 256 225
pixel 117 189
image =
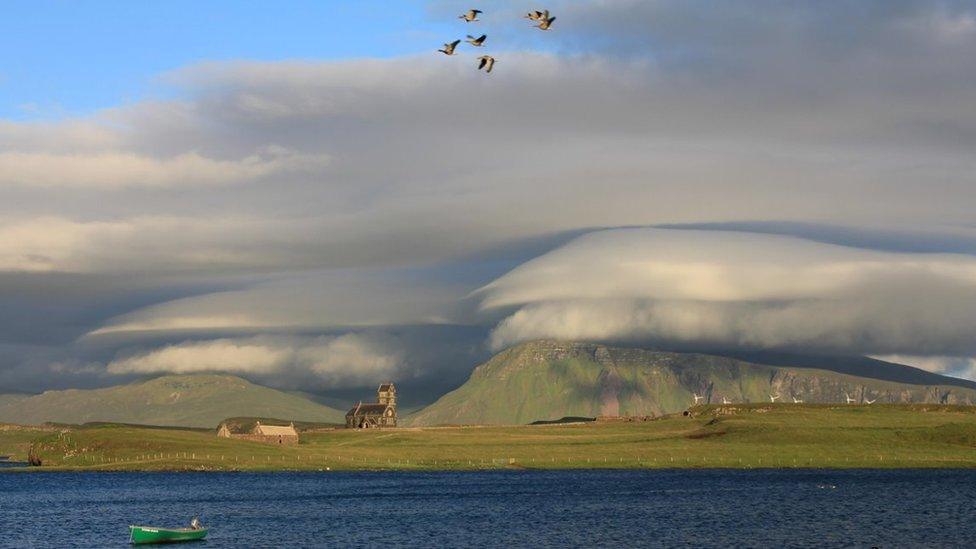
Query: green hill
pixel 549 380
pixel 188 401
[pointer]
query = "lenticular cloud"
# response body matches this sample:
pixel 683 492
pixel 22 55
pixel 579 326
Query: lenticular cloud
pixel 736 289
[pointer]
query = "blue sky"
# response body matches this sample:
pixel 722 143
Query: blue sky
pixel 66 58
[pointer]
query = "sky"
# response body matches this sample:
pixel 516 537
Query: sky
pixel 309 195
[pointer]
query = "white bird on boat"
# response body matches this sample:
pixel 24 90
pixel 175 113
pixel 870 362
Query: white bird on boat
pixel 449 47
pixel 487 63
pixel 476 42
pixel 472 15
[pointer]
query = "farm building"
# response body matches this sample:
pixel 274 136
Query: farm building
pixel 381 413
pixel 270 434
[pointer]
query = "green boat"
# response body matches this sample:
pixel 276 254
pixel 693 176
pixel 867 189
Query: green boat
pixel 148 534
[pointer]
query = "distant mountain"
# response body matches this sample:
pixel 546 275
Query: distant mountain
pixel 10 398
pixel 186 400
pixel 550 379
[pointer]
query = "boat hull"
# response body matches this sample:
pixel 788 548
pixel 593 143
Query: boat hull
pixel 147 534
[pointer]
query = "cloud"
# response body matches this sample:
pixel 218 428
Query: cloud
pixel 336 361
pixel 319 299
pixel 739 290
pixel 222 355
pixel 956 366
pixel 116 170
pixel 313 196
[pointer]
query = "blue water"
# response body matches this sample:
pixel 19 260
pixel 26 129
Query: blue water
pixel 499 509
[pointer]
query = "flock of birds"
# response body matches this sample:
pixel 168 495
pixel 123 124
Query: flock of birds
pixel 487 62
pixel 776 397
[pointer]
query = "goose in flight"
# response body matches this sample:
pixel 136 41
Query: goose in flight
pixel 797 400
pixel 850 400
pixel 773 398
pixel 449 47
pixel 726 401
pixel 534 15
pixel 545 21
pixel 870 401
pixel 487 63
pixel 698 398
pixel 472 15
pixel 476 42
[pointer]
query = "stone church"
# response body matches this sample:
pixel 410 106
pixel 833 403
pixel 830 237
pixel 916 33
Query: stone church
pixel 381 413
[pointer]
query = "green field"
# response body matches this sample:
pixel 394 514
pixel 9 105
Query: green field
pixel 737 436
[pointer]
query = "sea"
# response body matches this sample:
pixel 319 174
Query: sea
pixel 580 508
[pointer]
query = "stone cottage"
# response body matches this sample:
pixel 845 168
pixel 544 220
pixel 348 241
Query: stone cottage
pixel 269 434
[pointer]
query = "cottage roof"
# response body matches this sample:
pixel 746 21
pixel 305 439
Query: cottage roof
pixel 367 410
pixel 275 430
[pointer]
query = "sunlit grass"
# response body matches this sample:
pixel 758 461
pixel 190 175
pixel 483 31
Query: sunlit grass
pixel 741 436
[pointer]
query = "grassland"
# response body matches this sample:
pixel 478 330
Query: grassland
pixel 738 436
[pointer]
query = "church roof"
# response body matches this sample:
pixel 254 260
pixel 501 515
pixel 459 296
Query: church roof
pixel 367 410
pixel 386 387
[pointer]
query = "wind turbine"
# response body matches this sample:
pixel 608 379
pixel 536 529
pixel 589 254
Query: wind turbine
pixel 849 399
pixel 773 398
pixel 698 398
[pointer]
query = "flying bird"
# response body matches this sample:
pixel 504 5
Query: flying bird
pixel 449 47
pixel 534 15
pixel 476 42
pixel 487 62
pixel 472 15
pixel 545 22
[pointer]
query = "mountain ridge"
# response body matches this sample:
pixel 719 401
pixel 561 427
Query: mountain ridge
pixel 198 400
pixel 547 379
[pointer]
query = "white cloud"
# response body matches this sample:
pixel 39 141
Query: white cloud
pixel 318 299
pixel 735 289
pixel 222 355
pixel 957 366
pixel 125 169
pixel 336 361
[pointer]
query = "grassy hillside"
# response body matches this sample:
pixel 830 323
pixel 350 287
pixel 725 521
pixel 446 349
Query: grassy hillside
pixel 741 436
pixel 192 401
pixel 547 380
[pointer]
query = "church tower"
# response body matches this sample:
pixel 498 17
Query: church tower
pixel 386 394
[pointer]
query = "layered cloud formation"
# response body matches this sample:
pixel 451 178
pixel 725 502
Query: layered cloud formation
pixel 823 147
pixel 339 362
pixel 740 290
